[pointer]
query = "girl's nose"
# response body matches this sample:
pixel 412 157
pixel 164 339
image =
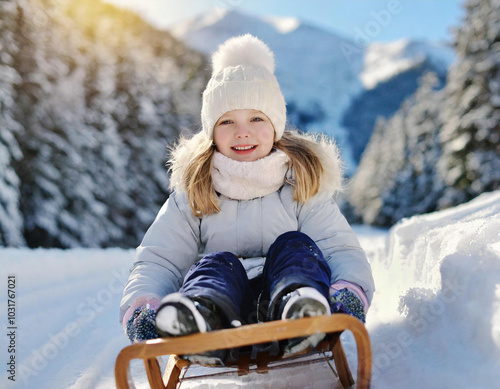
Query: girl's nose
pixel 242 131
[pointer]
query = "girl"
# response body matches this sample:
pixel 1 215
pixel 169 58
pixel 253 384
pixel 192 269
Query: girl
pixel 256 203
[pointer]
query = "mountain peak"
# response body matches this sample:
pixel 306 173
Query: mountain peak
pixel 219 16
pixel 284 24
pixel 383 60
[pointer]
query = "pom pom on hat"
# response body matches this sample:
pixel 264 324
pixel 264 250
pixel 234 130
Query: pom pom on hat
pixel 243 50
pixel 243 78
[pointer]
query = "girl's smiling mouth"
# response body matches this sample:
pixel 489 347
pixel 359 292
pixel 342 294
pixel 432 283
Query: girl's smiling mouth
pixel 244 149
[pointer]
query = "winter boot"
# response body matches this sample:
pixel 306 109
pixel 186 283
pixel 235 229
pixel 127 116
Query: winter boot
pixel 303 302
pixel 179 315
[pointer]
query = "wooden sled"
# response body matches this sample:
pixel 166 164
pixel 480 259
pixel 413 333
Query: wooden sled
pixel 249 335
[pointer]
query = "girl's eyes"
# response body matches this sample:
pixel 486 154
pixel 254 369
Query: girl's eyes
pixel 228 121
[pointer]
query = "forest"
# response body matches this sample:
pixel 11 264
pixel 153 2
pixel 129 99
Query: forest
pixel 91 97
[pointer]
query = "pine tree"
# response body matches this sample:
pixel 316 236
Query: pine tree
pixel 396 177
pixel 57 191
pixel 470 163
pixel 34 170
pixel 10 215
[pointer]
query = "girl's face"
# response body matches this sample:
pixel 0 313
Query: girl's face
pixel 244 135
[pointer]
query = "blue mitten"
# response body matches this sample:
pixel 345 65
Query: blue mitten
pixel 139 320
pixel 345 301
pixel 141 325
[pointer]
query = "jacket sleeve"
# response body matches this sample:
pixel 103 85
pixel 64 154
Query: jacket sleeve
pixel 166 253
pixel 321 219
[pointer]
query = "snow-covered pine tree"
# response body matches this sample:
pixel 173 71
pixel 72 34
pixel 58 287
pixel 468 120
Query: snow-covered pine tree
pixel 11 221
pixel 58 198
pixel 145 140
pixel 470 163
pixel 35 169
pixel 396 177
pixel 417 188
pixel 384 100
pixel 107 158
pixel 156 88
pixel 94 120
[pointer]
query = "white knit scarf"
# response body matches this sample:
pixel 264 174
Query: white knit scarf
pixel 249 180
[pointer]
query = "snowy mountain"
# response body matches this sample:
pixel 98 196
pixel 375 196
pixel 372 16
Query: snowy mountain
pixel 391 72
pixel 434 321
pixel 323 75
pixel 383 61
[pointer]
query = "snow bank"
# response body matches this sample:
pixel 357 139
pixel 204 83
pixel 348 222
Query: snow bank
pixel 435 320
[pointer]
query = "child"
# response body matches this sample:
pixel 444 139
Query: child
pixel 257 203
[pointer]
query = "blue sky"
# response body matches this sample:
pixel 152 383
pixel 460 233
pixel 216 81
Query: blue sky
pixel 375 20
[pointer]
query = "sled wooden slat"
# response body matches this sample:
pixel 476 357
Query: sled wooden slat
pixel 341 364
pixel 173 371
pixel 154 373
pixel 246 336
pixel 243 364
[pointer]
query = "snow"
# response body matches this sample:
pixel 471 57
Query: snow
pixel 434 321
pixel 383 61
pixel 284 24
pixel 442 271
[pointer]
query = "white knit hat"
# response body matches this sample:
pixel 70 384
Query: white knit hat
pixel 243 78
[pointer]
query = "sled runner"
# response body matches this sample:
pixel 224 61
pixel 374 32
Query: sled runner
pixel 249 335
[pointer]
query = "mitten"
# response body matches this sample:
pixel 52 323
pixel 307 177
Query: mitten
pixel 139 321
pixel 345 301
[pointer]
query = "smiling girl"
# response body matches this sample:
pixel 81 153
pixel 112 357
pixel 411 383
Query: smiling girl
pixel 251 231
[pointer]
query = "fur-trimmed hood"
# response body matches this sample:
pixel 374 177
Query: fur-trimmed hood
pixel 323 147
pixel 333 168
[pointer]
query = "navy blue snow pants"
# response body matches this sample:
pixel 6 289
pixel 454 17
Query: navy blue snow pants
pixel 293 260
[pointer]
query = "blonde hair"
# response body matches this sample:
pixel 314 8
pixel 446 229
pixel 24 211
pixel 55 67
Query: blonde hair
pixel 314 161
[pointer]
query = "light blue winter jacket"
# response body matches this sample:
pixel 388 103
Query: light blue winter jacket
pixel 247 228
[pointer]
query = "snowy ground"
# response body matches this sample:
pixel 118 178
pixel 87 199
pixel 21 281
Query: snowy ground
pixel 434 322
